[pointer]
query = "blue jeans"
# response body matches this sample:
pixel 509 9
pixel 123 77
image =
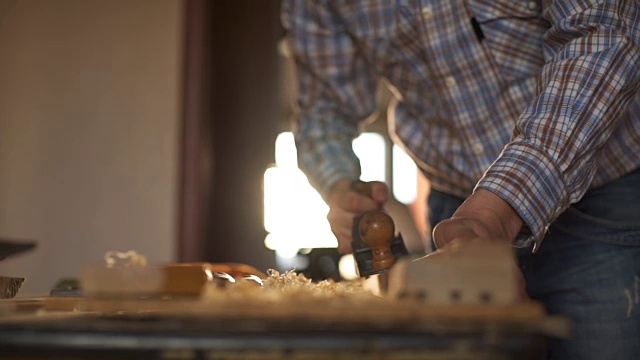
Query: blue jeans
pixel 587 268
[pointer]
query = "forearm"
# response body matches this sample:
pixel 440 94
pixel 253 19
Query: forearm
pixel 335 90
pixel 325 152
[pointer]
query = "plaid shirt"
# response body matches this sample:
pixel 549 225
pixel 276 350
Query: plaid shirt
pixel 534 101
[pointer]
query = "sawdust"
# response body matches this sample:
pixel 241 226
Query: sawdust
pixel 129 258
pixel 289 286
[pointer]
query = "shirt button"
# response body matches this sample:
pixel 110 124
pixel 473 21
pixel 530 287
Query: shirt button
pixel 532 5
pixel 477 148
pixel 450 81
pixel 427 12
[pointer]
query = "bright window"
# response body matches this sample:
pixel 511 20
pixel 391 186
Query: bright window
pixel 405 176
pixel 295 216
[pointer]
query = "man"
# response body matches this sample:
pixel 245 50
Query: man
pixel 525 117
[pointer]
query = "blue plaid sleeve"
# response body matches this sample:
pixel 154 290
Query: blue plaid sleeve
pixel 336 89
pixel 592 57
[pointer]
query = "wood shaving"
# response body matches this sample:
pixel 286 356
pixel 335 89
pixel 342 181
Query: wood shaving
pixel 289 286
pixel 129 258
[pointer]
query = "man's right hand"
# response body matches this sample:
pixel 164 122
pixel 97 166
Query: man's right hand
pixel 344 204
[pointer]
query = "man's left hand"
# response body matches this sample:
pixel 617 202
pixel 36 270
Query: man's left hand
pixel 484 216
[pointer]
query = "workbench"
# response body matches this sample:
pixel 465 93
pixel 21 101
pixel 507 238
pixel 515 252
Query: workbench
pixel 188 329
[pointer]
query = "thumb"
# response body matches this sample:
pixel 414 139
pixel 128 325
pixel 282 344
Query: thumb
pixel 379 192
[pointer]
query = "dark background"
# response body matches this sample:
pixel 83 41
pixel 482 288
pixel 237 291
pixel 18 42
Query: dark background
pixel 234 109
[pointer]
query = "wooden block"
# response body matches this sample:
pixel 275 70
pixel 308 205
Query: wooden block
pixel 189 279
pixel 185 279
pixel 474 273
pixel 32 305
pixel 101 281
pixel 62 304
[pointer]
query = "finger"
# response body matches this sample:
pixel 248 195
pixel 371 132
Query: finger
pixel 344 247
pixel 341 223
pixel 340 220
pixel 355 203
pixel 343 196
pixel 343 235
pixel 379 192
pixel 438 234
pixel 448 230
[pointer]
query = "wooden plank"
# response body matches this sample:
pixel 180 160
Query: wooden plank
pixel 529 316
pixel 384 311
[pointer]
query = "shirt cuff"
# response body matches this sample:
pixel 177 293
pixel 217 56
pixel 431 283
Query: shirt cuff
pixel 326 165
pixel 325 152
pixel 326 183
pixel 530 182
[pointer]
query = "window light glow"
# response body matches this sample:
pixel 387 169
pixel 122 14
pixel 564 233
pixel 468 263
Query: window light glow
pixel 295 215
pixel 405 176
pixel 370 148
pixel 347 267
pixel 286 155
pixel 292 209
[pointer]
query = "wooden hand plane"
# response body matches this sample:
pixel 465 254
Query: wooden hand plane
pixel 375 245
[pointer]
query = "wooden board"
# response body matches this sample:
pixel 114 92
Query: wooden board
pixel 528 317
pixel 384 312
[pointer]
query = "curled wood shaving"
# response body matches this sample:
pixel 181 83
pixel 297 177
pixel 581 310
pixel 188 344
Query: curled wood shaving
pixel 129 258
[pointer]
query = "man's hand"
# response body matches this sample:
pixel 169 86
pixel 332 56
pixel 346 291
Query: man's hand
pixel 344 204
pixel 484 216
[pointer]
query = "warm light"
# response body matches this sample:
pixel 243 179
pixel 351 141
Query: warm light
pixel 405 176
pixel 286 155
pixel 370 148
pixel 347 267
pixel 295 215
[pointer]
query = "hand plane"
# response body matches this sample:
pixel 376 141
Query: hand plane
pixel 375 245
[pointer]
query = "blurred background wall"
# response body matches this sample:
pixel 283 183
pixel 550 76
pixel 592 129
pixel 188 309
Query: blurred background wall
pixel 148 125
pixel 90 109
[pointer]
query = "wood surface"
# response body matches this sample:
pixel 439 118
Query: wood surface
pixel 346 312
pixel 528 317
pixel 183 279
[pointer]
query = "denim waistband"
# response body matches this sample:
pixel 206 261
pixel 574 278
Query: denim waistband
pixel 610 213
